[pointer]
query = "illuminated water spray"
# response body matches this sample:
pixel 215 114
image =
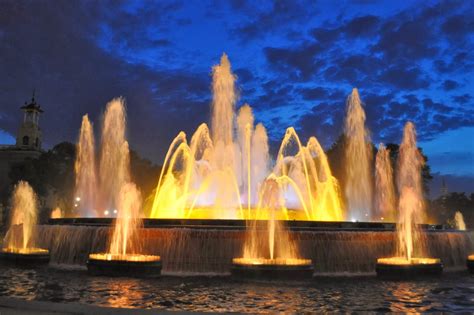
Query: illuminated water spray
pixel 24 215
pixel 125 238
pixel 411 203
pixel 86 171
pixel 220 173
pixel 114 168
pixel 411 213
pixel 358 159
pixel 385 199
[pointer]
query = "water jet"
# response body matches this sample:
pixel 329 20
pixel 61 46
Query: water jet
pixel 20 239
pixel 124 257
pixel 411 260
pixel 269 251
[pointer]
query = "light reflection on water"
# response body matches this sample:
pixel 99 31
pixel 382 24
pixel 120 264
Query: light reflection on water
pixel 452 292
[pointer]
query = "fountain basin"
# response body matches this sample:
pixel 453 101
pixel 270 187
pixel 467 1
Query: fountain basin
pixel 135 265
pixel 24 256
pixel 400 267
pixel 470 263
pixel 255 268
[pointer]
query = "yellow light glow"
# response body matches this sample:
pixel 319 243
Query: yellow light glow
pixel 404 261
pixel 471 257
pixel 127 257
pixel 276 261
pixel 25 251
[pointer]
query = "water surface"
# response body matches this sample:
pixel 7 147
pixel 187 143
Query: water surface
pixel 453 292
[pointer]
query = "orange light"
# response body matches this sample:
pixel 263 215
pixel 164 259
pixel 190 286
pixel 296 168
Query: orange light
pixel 404 261
pixel 25 251
pixel 127 257
pixel 276 261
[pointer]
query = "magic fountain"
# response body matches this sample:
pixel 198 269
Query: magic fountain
pixel 410 260
pixel 20 241
pixel 222 204
pixel 218 175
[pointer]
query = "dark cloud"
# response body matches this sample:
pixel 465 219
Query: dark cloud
pixel 73 76
pixel 314 93
pixel 405 78
pixel 292 60
pixel 270 17
pixel 449 85
pixel 362 26
pixel 462 99
pixel 301 61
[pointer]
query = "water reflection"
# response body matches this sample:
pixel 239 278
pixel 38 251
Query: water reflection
pixel 454 292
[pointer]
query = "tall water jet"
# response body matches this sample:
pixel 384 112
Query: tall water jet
pixel 85 171
pixel 114 155
pixel 223 102
pixel 385 199
pixel 410 258
pixel 244 137
pixel 260 163
pixel 358 160
pixel 20 243
pixel 411 205
pixel 269 251
pixel 124 254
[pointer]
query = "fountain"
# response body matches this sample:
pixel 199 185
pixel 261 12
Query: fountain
pixel 358 158
pixel 410 261
pixel 124 255
pixel 270 252
pixel 217 175
pixel 222 204
pixel 97 188
pixel 384 188
pixel 20 242
pixel 85 170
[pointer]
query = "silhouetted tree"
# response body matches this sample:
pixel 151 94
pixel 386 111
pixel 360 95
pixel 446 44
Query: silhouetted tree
pixel 336 157
pixel 52 174
pixel 443 208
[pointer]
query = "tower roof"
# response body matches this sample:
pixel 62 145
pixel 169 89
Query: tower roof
pixel 32 106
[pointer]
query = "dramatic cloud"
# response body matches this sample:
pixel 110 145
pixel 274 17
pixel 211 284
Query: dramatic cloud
pixel 296 62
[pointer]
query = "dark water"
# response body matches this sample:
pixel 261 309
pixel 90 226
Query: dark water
pixel 453 292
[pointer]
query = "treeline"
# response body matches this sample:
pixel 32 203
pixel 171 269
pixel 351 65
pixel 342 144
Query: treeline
pixel 53 179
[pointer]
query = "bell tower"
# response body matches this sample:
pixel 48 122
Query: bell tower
pixel 29 136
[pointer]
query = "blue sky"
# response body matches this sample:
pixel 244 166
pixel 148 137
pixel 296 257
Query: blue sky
pixel 296 63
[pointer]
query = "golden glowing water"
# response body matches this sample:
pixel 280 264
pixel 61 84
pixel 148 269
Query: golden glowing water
pixel 404 261
pixel 85 171
pixel 219 176
pixel 358 158
pixel 276 261
pixel 24 214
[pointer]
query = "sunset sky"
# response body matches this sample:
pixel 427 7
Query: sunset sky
pixel 296 63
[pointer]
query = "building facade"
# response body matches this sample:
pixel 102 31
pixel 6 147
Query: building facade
pixel 28 142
